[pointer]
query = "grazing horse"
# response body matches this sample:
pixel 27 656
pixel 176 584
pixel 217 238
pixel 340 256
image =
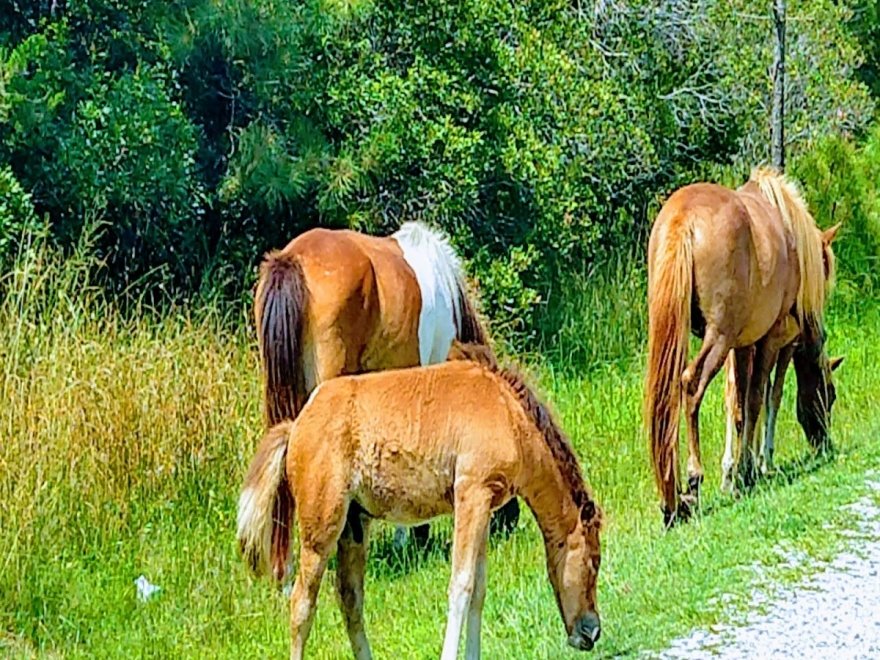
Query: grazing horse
pixel 746 270
pixel 336 302
pixel 461 438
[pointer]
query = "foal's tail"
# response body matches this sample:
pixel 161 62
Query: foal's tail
pixel 670 288
pixel 265 507
pixel 279 308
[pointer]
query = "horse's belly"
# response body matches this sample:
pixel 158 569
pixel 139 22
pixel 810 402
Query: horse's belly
pixel 405 488
pixel 767 309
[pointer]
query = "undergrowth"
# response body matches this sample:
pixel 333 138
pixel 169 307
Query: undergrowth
pixel 125 438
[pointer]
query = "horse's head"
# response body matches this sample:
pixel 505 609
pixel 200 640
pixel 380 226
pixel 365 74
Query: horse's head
pixel 573 565
pixel 816 391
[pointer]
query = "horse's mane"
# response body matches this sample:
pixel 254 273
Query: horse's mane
pixel 557 442
pixel 783 193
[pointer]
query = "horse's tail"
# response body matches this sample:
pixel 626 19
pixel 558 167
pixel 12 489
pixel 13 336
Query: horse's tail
pixel 279 308
pixel 670 288
pixel 265 507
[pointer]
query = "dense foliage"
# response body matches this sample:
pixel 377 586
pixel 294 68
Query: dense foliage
pixel 539 134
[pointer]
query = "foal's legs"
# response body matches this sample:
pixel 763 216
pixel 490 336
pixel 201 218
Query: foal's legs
pixel 695 379
pixel 303 599
pixel 351 557
pixel 472 511
pixel 739 375
pixel 321 512
pixel 475 615
pixel 772 400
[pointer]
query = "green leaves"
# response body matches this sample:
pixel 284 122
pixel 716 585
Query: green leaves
pixel 539 134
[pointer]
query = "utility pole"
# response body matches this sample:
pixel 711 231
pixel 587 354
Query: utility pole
pixel 777 117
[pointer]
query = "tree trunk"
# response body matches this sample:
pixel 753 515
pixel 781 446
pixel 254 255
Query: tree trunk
pixel 777 118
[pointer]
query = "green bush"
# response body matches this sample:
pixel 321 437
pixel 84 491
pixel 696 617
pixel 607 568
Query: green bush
pixel 840 181
pixel 538 134
pixel 17 217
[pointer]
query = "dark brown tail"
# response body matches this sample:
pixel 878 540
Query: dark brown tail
pixel 279 308
pixel 670 288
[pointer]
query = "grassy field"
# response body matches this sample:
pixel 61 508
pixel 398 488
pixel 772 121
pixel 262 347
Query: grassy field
pixel 124 443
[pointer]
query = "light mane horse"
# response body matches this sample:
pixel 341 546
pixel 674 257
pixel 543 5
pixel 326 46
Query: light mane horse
pixel 461 438
pixel 336 302
pixel 747 270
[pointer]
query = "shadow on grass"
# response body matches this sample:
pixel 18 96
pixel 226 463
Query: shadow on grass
pixel 391 560
pixel 783 474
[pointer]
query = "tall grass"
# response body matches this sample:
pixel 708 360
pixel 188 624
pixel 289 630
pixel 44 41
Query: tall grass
pixel 105 420
pixel 125 437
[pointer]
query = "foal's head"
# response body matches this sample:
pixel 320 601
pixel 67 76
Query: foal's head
pixel 816 391
pixel 573 566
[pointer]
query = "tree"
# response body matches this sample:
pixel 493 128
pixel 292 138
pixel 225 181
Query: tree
pixel 778 113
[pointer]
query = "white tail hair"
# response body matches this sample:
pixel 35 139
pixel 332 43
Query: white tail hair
pixel 256 505
pixel 438 271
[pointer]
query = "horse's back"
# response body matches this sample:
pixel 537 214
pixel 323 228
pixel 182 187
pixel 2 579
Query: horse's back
pixel 408 433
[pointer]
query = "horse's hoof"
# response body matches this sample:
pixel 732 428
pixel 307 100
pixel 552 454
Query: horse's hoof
pixel 681 514
pixel 695 482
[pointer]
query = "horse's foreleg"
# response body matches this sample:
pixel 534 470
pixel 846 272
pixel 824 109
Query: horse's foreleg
pixel 743 365
pixel 351 562
pixel 734 424
pixel 766 352
pixel 695 380
pixel 304 597
pixel 772 401
pixel 475 615
pixel 472 511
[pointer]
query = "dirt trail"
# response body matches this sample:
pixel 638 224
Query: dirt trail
pixel 833 614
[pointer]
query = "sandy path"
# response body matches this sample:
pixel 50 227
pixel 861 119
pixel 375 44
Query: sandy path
pixel 834 614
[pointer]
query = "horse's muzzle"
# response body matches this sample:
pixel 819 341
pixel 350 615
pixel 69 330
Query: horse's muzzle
pixel 586 633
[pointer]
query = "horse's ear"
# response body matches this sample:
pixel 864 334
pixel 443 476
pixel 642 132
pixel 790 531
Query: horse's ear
pixel 836 362
pixel 829 234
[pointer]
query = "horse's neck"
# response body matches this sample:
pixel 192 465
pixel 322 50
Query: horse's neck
pixel 546 493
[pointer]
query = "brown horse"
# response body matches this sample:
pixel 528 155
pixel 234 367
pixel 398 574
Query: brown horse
pixel 336 302
pixel 746 270
pixel 460 438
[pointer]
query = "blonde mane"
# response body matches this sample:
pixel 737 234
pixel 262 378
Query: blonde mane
pixel 785 196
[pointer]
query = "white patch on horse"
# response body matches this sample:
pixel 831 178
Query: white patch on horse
pixel 438 272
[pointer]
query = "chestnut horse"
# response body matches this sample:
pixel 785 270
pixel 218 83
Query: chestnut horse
pixel 336 302
pixel 460 438
pixel 747 271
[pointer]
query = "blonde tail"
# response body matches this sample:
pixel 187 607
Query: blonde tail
pixel 670 288
pixel 265 506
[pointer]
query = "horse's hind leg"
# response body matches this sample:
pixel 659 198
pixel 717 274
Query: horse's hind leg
pixel 472 511
pixel 772 402
pixel 304 597
pixel 321 514
pixel 695 380
pixel 475 615
pixel 351 562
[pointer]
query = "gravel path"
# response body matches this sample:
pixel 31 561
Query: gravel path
pixel 834 614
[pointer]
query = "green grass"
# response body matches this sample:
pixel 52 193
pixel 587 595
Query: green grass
pixel 124 443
